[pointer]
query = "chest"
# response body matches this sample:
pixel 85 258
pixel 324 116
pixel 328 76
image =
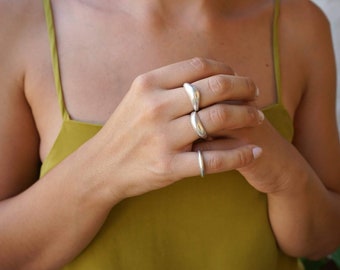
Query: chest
pixel 99 57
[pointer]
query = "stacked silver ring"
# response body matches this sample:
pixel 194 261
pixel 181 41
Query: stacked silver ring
pixel 201 163
pixel 194 95
pixel 196 123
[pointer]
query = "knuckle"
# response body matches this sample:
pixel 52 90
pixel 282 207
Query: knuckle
pixel 220 85
pixel 255 117
pixel 165 169
pixel 252 114
pixel 218 114
pixel 143 82
pixel 251 85
pixel 244 157
pixel 154 107
pixel 200 64
pixel 215 163
pixel 162 169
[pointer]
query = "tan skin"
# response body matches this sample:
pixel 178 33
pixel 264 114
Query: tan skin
pixel 99 60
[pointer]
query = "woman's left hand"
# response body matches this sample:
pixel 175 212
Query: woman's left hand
pixel 266 174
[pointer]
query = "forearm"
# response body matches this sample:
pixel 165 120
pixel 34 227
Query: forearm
pixel 51 222
pixel 305 215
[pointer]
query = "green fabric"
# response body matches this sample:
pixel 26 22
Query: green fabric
pixel 276 50
pixel 336 257
pixel 54 55
pixel 324 264
pixel 220 222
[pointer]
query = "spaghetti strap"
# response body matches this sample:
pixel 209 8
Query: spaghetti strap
pixel 55 59
pixel 276 51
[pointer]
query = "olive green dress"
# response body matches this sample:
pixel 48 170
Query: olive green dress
pixel 217 223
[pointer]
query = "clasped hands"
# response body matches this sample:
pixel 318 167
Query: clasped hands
pixel 149 141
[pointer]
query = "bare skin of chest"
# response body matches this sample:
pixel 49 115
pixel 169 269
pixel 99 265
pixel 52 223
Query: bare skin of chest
pixel 98 61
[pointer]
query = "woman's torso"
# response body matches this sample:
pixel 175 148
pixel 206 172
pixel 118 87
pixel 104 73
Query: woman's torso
pixel 212 224
pixel 99 61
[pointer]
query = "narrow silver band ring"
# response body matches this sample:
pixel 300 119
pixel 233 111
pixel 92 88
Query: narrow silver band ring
pixel 194 95
pixel 201 163
pixel 197 125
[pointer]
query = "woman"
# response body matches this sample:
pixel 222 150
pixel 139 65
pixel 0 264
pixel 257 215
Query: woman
pixel 141 98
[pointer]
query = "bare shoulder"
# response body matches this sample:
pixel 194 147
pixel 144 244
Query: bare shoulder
pixel 306 36
pixel 305 49
pixel 307 44
pixel 19 140
pixel 301 10
pixel 304 25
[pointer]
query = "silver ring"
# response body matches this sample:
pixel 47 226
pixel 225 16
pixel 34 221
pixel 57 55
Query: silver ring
pixel 201 163
pixel 197 125
pixel 194 95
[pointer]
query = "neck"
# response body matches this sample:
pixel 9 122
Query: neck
pixel 166 8
pixel 178 11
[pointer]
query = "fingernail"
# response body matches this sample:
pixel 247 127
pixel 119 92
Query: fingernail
pixel 261 115
pixel 257 152
pixel 257 93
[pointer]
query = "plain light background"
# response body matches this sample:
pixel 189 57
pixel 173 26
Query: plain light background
pixel 332 9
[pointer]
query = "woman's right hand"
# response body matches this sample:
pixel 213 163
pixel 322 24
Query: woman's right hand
pixel 146 144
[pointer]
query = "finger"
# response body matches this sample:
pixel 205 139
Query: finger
pixel 219 88
pixel 187 164
pixel 217 118
pixel 175 75
pixel 226 116
pixel 217 144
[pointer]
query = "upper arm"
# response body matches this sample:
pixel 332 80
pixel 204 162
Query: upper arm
pixel 19 140
pixel 316 134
